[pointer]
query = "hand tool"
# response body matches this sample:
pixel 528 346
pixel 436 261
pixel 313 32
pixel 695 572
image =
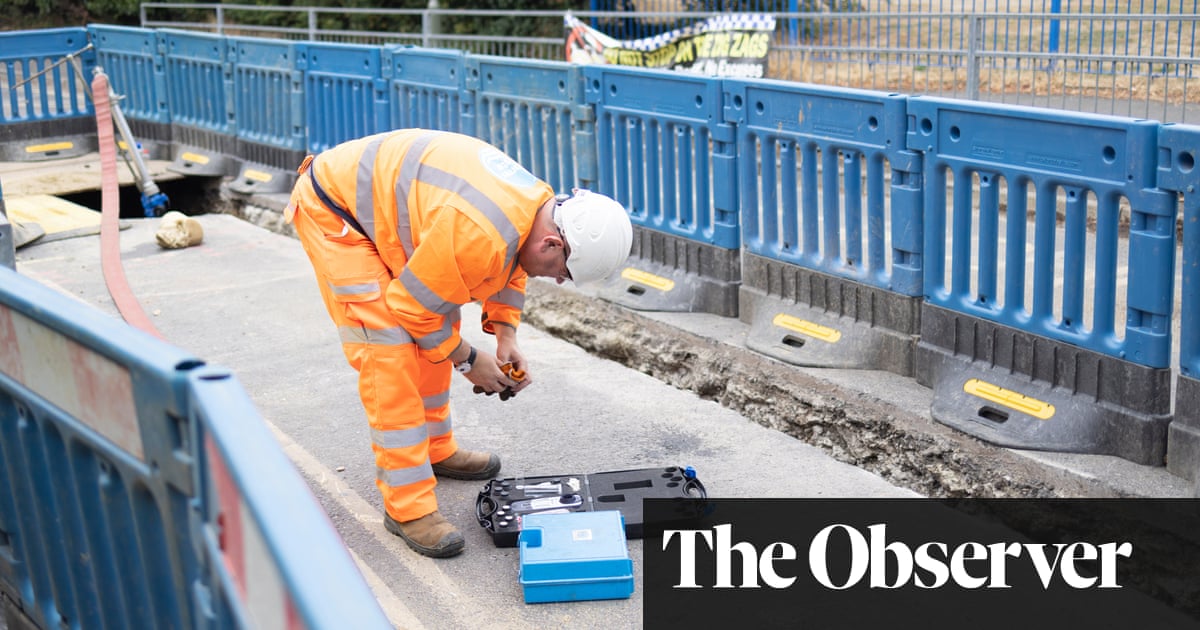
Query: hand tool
pixel 507 392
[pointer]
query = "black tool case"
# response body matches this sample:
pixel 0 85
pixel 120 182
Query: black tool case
pixel 503 503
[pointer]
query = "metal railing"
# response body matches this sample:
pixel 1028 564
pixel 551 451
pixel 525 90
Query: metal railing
pixel 1133 64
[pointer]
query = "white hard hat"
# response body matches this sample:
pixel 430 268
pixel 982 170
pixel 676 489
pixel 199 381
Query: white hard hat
pixel 597 230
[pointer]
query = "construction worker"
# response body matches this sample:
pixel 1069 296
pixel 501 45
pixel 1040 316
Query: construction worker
pixel 404 227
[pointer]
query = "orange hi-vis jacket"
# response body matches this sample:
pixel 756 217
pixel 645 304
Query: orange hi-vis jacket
pixel 448 214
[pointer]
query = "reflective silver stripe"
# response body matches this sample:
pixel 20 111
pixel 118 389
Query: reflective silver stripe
pixel 395 336
pixel 423 294
pixel 490 209
pixel 364 195
pixel 438 337
pixel 436 400
pixel 440 428
pixel 404 476
pixel 409 169
pixel 400 438
pixel 354 289
pixel 511 297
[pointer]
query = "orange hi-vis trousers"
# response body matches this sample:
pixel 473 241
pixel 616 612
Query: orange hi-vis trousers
pixel 406 397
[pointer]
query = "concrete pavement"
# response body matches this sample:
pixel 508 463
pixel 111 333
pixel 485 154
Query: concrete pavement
pixel 246 299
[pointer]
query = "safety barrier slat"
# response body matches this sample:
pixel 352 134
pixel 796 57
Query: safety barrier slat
pixel 268 80
pixel 528 109
pixel 268 102
pixel 273 555
pixel 343 93
pixel 425 89
pixel 815 165
pixel 660 143
pixel 1000 153
pixel 197 64
pixel 132 59
pixel 664 153
pixel 831 223
pixel 55 94
pixel 44 111
pixel 202 129
pixel 1179 172
pixel 1006 344
pixel 109 516
pixel 95 475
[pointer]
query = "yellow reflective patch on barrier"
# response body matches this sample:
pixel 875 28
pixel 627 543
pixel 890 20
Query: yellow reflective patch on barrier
pixel 52 146
pixel 1009 398
pixel 648 279
pixel 805 327
pixel 257 176
pixel 195 157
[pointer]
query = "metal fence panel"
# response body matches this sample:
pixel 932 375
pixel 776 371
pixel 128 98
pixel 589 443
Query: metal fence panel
pixel 530 110
pixel 426 89
pixel 344 94
pixel 1082 168
pixel 815 164
pixel 663 151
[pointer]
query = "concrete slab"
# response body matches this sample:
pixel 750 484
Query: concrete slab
pixel 246 299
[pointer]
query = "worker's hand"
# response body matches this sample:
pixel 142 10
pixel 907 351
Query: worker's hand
pixel 486 373
pixel 507 352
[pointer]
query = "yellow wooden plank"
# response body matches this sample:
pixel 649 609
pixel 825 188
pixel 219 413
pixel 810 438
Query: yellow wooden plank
pixel 54 214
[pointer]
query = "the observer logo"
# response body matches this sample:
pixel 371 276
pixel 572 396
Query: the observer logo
pixel 869 558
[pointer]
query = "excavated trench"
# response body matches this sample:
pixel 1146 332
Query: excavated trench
pixel 908 450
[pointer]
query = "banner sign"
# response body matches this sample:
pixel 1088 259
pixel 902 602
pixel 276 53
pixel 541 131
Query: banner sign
pixel 732 45
pixel 976 564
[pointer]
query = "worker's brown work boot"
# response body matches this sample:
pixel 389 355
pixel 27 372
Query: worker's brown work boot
pixel 431 535
pixel 468 465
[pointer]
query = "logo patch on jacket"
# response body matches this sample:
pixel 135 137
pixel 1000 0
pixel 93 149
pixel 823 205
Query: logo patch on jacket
pixel 505 168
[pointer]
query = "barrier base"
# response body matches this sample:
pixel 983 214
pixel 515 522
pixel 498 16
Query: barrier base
pixel 1019 390
pixel 204 153
pixel 203 163
pixel 1183 436
pixel 47 140
pixel 809 318
pixel 669 273
pixel 259 179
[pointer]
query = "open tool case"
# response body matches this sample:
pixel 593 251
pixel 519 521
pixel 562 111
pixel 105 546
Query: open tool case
pixel 503 503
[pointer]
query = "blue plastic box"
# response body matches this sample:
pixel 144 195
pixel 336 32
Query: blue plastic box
pixel 575 556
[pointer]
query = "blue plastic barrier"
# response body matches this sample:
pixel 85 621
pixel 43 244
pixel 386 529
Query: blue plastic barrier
pixel 1179 172
pixel 268 105
pixel 273 557
pixel 663 151
pixel 831 221
pixel 1040 373
pixel 425 89
pixel 534 112
pixel 1081 156
pixel 44 110
pixel 201 128
pixel 132 59
pixel 344 94
pixel 108 512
